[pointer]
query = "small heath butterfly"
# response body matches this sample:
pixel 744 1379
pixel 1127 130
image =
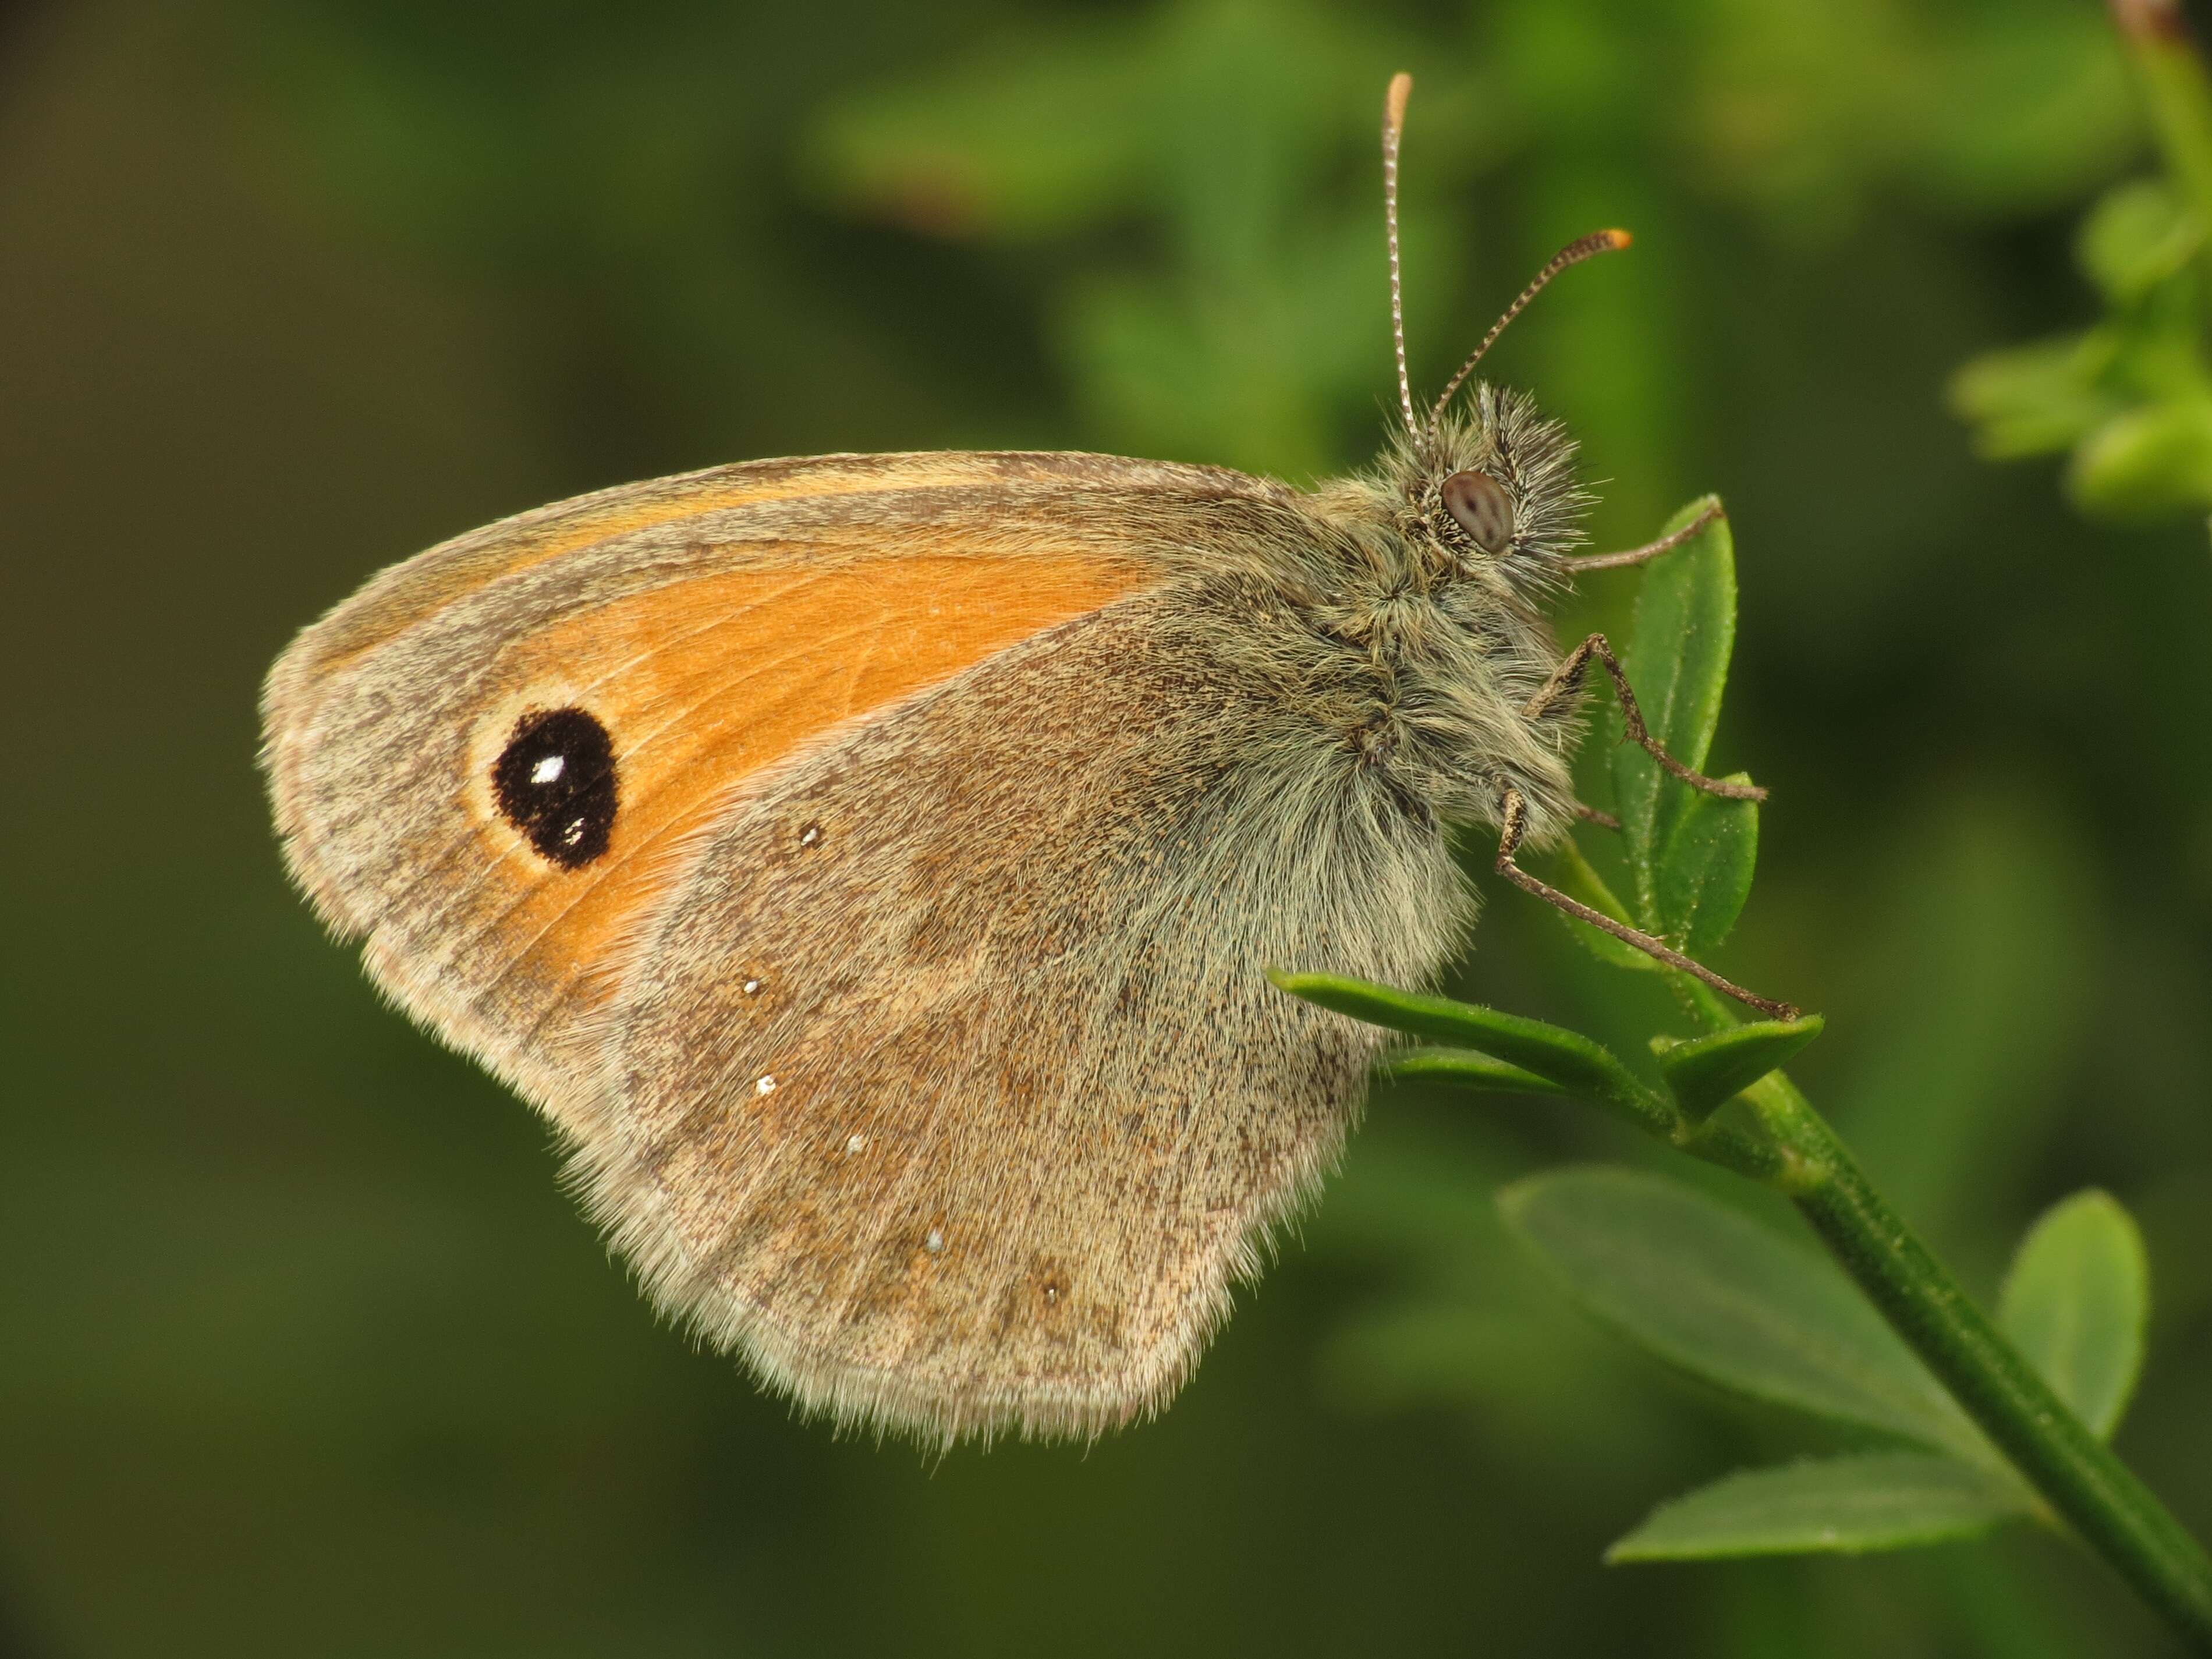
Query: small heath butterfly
pixel 872 863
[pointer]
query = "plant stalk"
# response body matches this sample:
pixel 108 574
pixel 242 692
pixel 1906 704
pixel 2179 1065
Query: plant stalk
pixel 1798 1155
pixel 2076 1473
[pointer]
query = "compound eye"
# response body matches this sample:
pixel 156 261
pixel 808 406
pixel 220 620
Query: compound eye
pixel 1483 508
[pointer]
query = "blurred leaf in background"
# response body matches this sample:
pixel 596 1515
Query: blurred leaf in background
pixel 1226 123
pixel 2130 398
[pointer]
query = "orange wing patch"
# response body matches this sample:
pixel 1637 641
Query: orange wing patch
pixel 700 685
pixel 408 593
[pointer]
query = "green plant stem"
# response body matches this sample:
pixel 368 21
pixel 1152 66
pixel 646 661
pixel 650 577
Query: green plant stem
pixel 2074 1471
pixel 2179 95
pixel 2078 1479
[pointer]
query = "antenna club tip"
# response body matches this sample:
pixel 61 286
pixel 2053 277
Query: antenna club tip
pixel 1616 238
pixel 1394 101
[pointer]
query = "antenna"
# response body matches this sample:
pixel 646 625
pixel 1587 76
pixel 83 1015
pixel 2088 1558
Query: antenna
pixel 1584 247
pixel 1393 129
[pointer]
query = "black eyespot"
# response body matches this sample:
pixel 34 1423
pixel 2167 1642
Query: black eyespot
pixel 554 781
pixel 1482 507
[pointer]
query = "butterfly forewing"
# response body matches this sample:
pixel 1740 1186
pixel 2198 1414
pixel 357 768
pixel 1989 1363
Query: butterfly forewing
pixel 710 626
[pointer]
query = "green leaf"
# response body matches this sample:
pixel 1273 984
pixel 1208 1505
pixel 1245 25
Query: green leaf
pixel 2075 1303
pixel 2135 237
pixel 1708 1071
pixel 1843 1505
pixel 1574 875
pixel 2026 108
pixel 1702 874
pixel 2035 399
pixel 1469 1070
pixel 1567 1058
pixel 1028 148
pixel 1723 1297
pixel 1677 660
pixel 2149 461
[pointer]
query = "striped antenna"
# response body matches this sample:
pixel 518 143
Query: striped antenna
pixel 1585 247
pixel 1393 129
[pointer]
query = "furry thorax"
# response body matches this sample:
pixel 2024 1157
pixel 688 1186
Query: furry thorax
pixel 1422 650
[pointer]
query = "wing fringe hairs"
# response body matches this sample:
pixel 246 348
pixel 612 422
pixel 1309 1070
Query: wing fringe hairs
pixel 923 1055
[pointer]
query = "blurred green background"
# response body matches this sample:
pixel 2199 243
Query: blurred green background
pixel 305 1351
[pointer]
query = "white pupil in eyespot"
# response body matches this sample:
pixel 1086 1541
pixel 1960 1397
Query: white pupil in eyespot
pixel 556 781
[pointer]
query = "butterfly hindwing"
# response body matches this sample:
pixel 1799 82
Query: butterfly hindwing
pixel 950 1087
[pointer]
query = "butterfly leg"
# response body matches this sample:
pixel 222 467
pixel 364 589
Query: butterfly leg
pixel 1650 551
pixel 1568 680
pixel 1514 821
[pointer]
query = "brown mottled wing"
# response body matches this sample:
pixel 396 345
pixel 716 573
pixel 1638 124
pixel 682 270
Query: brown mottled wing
pixel 715 625
pixel 949 1087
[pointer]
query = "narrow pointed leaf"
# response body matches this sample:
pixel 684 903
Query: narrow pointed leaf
pixel 1702 876
pixel 2139 234
pixel 2033 400
pixel 2076 1302
pixel 2151 460
pixel 1470 1070
pixel 1721 1297
pixel 1677 660
pixel 1845 1505
pixel 1567 1058
pixel 1709 1071
pixel 1574 875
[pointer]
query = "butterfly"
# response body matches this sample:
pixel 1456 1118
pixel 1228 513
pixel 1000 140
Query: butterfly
pixel 872 864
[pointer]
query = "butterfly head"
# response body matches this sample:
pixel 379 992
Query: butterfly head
pixel 1488 491
pixel 1491 488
